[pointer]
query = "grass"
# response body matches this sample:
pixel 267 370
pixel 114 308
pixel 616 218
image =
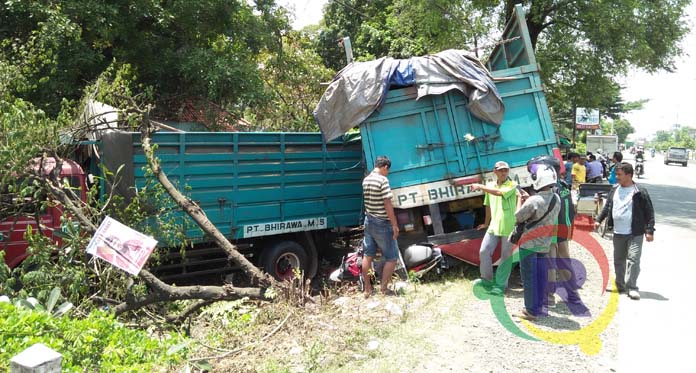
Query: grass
pixel 334 338
pixel 403 342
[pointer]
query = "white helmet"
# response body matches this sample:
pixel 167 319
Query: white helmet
pixel 543 176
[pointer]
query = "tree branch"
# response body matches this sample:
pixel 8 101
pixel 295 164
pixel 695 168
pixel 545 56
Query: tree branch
pixel 197 214
pixel 188 311
pixel 162 292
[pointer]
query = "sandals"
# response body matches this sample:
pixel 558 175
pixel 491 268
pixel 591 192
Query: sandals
pixel 525 315
pixel 388 293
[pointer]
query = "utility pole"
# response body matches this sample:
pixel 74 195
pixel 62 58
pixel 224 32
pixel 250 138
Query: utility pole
pixel 575 115
pixel 345 43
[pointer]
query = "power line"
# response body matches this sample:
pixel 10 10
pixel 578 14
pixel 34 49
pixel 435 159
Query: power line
pixel 350 7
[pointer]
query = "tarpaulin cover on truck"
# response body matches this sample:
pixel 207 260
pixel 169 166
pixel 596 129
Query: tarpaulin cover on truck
pixel 359 88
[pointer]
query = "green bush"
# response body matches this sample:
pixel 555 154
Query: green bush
pixel 96 343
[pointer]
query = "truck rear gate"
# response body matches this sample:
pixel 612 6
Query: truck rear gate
pixel 437 147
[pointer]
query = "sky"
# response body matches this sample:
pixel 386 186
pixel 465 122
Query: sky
pixel 670 101
pixel 668 93
pixel 307 12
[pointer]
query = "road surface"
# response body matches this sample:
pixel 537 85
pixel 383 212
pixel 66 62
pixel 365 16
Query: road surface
pixel 656 333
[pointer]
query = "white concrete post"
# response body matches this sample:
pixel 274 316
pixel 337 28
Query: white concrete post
pixel 37 359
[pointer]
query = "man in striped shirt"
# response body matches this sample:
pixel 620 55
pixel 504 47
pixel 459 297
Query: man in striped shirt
pixel 381 228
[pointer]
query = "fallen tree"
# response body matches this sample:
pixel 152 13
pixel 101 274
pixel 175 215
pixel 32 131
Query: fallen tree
pixel 157 290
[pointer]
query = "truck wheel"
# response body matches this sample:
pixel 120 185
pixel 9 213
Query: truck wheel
pixel 684 164
pixel 281 259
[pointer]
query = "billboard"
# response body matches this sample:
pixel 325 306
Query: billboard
pixel 586 119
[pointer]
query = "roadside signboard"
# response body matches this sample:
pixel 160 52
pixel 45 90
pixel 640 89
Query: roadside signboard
pixel 586 119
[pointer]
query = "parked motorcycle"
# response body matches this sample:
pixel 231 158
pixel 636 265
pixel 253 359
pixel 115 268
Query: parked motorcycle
pixel 417 259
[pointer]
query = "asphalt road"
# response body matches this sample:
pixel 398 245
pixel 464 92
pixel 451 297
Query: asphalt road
pixel 657 333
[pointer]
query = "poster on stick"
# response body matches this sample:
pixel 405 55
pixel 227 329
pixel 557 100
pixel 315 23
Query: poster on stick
pixel 121 246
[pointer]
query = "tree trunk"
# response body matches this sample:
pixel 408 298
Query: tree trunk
pixel 198 215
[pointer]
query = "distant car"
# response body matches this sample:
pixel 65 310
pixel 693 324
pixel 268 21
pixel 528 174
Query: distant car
pixel 677 155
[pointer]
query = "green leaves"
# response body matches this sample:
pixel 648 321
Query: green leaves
pixel 180 49
pixel 95 343
pixel 581 46
pixel 52 299
pixel 680 137
pixel 32 303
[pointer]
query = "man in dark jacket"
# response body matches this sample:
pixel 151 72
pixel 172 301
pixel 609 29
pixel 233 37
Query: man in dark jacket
pixel 631 215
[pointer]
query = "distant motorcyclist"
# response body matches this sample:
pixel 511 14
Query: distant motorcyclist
pixel 640 167
pixel 639 155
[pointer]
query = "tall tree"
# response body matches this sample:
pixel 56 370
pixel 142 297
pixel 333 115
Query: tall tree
pixel 622 128
pixel 663 136
pixel 180 49
pixel 402 28
pixel 293 80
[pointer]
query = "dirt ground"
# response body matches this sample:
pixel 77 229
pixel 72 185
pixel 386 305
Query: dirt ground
pixel 437 324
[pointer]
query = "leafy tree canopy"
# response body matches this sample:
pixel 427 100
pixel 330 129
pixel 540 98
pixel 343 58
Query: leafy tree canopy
pixel 182 49
pixel 620 127
pixel 582 46
pixel 682 137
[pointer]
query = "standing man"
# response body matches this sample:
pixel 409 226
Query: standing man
pixel 381 227
pixel 595 170
pixel 578 171
pixel 500 201
pixel 630 213
pixel 616 159
pixel 569 168
pixel 561 268
pixel 541 212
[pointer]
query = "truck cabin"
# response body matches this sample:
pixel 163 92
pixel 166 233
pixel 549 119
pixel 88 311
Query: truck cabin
pixel 21 213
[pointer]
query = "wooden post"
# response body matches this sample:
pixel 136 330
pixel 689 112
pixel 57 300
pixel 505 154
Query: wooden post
pixel 37 359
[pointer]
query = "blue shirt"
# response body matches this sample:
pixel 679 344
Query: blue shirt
pixel 594 169
pixel 569 172
pixel 612 175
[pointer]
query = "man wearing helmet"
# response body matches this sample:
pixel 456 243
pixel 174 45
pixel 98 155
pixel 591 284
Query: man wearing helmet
pixel 539 213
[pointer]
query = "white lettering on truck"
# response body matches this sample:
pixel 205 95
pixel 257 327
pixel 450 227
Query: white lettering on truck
pixel 445 190
pixel 278 227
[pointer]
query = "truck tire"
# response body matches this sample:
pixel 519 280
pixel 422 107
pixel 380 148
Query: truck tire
pixel 684 164
pixel 280 260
